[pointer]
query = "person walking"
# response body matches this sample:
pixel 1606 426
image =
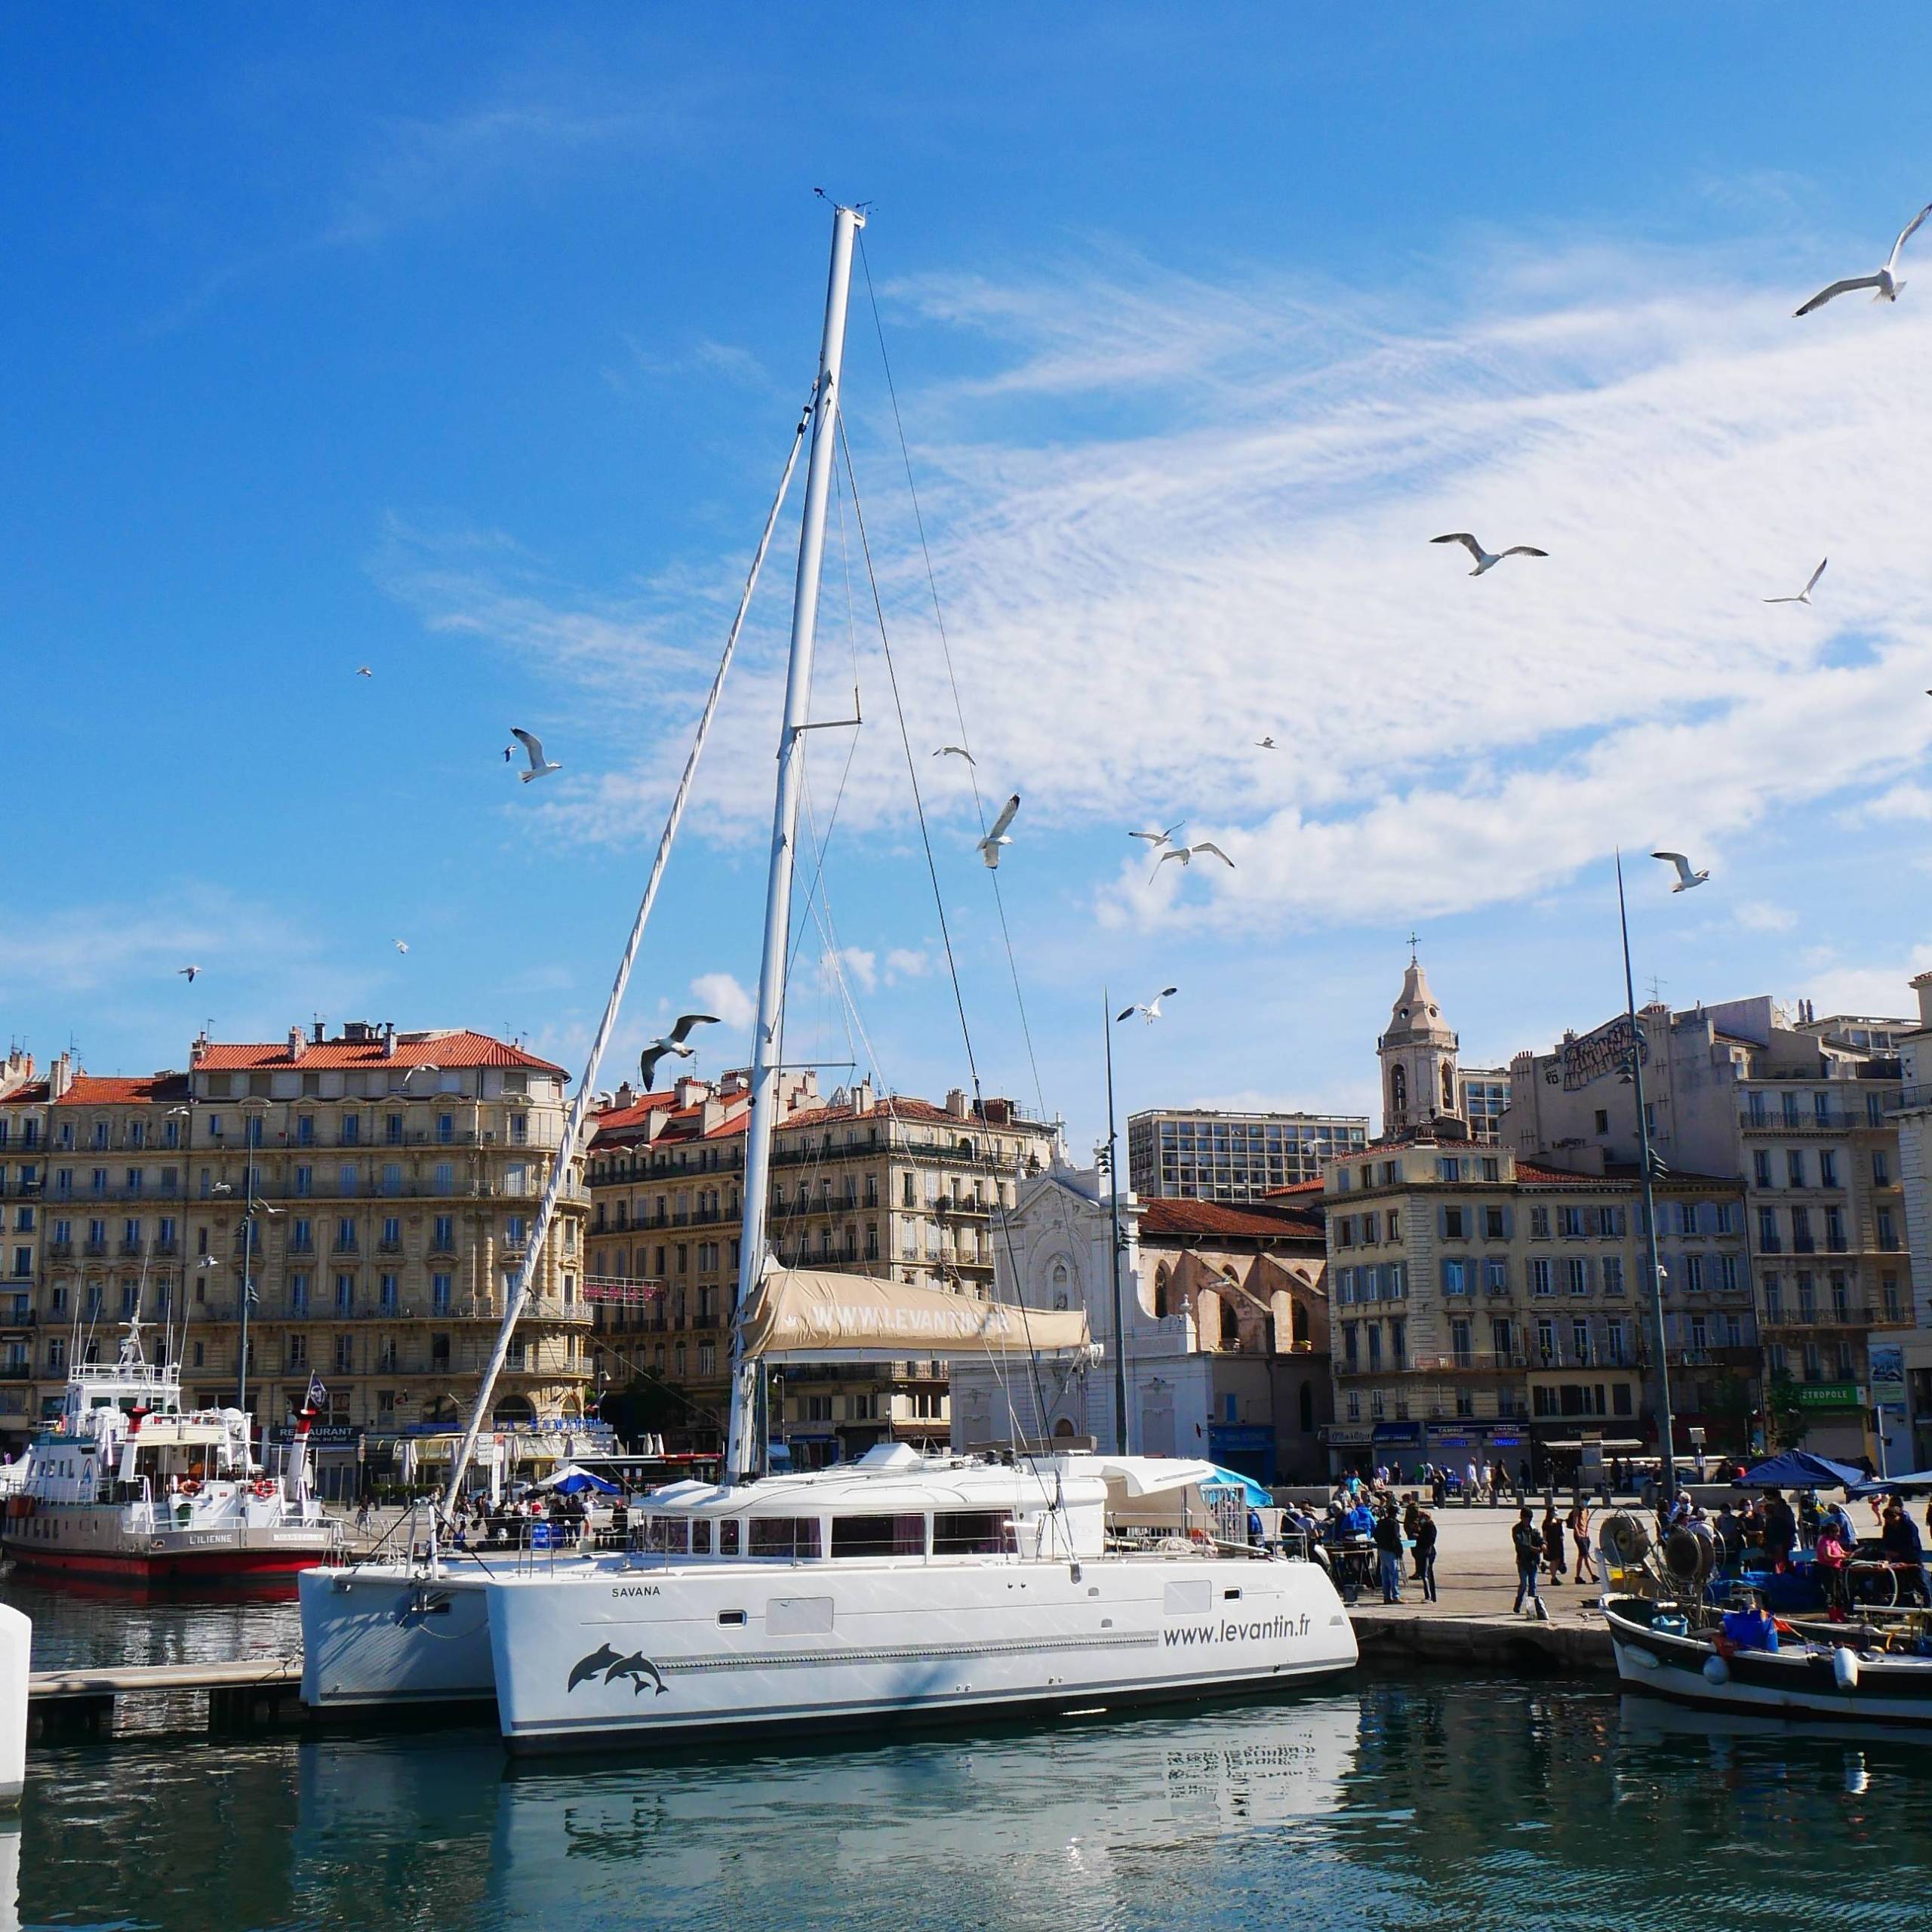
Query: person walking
pixel 1469 1486
pixel 1552 1541
pixel 1426 1554
pixel 1528 1541
pixel 1388 1543
pixel 1579 1530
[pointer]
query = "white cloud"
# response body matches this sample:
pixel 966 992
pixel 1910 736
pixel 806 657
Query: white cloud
pixel 1902 804
pixel 852 964
pixel 1760 915
pixel 1250 549
pixel 905 962
pixel 721 994
pixel 1884 991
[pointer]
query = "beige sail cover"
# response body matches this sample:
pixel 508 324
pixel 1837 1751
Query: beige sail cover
pixel 804 1313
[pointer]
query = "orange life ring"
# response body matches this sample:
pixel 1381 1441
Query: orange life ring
pixel 265 1489
pixel 188 1486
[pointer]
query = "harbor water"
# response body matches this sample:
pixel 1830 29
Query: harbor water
pixel 1424 1801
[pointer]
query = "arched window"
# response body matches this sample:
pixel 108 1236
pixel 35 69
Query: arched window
pixel 1059 1279
pixel 1063 1429
pixel 1160 1292
pixel 1298 1327
pixel 1448 1088
pixel 1308 1408
pixel 1230 1325
pixel 1399 1090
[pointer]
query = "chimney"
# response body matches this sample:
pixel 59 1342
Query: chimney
pixel 316 1036
pixel 197 1050
pixel 688 1090
pixel 1922 986
pixel 956 1104
pixel 295 1043
pixel 861 1097
pixel 60 1076
pixel 388 1039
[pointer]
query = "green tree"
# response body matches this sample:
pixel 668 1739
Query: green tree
pixel 1788 1424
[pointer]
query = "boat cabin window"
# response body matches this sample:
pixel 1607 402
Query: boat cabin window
pixel 879 1536
pixel 784 1536
pixel 972 1532
pixel 672 1534
pixel 728 1536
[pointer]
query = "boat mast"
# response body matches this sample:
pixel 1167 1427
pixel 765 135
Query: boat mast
pixel 571 1145
pixel 740 1444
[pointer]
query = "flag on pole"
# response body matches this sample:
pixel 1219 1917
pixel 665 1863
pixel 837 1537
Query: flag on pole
pixel 318 1397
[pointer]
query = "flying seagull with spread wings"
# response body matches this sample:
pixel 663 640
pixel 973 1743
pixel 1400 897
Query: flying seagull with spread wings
pixel 1187 854
pixel 363 671
pixel 1805 596
pixel 956 751
pixel 989 845
pixel 1155 840
pixel 540 766
pixel 1686 878
pixel 1151 1011
pixel 188 973
pixel 1884 284
pixel 1267 744
pixel 1485 561
pixel 673 1043
pixel 401 945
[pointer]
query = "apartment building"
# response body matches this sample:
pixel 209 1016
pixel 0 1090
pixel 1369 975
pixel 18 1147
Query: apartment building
pixel 368 1197
pixel 1203 1154
pixel 1804 1112
pixel 24 1099
pixel 886 1185
pixel 1912 1114
pixel 1484 1305
pixel 1482 1098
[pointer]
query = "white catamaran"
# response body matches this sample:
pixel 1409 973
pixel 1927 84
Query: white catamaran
pixel 904 1587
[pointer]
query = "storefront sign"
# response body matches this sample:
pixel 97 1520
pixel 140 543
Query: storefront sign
pixel 1398 1432
pixel 1348 1435
pixel 1827 1396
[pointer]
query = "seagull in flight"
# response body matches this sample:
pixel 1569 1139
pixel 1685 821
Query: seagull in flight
pixel 1805 596
pixel 1884 284
pixel 957 751
pixel 1686 878
pixel 1268 744
pixel 1187 854
pixel 401 945
pixel 539 764
pixel 188 973
pixel 1155 840
pixel 673 1043
pixel 1484 560
pixel 1151 1011
pixel 989 845
pixel 363 671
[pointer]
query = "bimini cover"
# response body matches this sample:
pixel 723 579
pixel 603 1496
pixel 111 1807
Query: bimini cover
pixel 805 1315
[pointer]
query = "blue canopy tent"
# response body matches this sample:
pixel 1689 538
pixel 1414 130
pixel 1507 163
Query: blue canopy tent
pixel 571 1480
pixel 1914 1482
pixel 1257 1496
pixel 1798 1469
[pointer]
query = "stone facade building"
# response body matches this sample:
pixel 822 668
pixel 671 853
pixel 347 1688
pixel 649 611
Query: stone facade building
pixel 387 1183
pixel 875 1184
pixel 1804 1113
pixel 1226 1345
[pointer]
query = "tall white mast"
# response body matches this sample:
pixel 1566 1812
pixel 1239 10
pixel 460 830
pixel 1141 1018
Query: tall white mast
pixel 571 1145
pixel 739 1449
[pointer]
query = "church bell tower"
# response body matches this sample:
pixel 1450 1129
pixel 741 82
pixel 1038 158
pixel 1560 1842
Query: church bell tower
pixel 1418 1055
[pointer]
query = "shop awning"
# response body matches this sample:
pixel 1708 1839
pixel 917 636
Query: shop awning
pixel 804 1314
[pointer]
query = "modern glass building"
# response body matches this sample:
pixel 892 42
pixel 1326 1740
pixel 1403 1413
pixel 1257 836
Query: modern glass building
pixel 1201 1155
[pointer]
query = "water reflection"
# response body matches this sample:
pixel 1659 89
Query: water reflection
pixel 1443 1804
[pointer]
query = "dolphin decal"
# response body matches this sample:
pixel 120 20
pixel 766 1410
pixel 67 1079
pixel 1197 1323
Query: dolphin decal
pixel 604 1660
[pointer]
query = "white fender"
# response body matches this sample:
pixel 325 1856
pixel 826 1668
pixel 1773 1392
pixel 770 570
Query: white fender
pixel 1716 1671
pixel 1844 1668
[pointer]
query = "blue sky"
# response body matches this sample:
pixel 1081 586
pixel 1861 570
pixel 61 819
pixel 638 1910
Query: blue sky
pixel 465 346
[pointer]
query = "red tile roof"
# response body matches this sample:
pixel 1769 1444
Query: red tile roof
pixel 614 1122
pixel 1297 1187
pixel 99 1090
pixel 1163 1214
pixel 33 1094
pixel 458 1047
pixel 904 1107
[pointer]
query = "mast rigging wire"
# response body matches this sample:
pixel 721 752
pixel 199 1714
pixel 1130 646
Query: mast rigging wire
pixel 568 1148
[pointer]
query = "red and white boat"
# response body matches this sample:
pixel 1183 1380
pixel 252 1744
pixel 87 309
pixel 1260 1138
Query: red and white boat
pixel 128 1485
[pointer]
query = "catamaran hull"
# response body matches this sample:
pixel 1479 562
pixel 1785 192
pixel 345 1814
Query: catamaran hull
pixel 383 1634
pixel 646 1653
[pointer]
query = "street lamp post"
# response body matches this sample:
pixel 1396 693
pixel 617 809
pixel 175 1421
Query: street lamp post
pixel 1666 1438
pixel 1113 1215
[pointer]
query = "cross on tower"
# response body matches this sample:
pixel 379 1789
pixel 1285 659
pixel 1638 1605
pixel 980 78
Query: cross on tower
pixel 1414 942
